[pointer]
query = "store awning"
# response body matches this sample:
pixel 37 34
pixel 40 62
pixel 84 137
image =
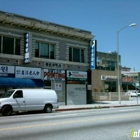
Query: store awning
pixel 38 82
pixel 20 82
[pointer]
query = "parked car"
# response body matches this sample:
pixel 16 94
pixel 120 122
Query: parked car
pixel 132 93
pixel 28 100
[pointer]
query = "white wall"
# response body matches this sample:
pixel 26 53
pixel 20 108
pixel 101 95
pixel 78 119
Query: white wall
pixel 76 94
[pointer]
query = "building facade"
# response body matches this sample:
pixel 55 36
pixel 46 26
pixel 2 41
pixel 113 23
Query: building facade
pixel 130 79
pixel 104 76
pixel 44 54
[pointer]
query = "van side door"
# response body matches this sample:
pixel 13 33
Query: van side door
pixel 19 101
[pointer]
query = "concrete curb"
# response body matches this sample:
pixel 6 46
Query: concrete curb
pixel 69 109
pixel 94 107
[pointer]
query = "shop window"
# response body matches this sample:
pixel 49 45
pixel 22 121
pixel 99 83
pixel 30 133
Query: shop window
pixel 76 55
pixel 47 84
pixel 110 86
pixel 44 50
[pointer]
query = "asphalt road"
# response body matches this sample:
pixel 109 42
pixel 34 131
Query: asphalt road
pixel 96 124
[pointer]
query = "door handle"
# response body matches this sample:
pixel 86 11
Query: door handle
pixel 23 101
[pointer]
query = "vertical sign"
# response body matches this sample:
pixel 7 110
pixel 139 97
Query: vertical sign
pixel 92 61
pixel 26 48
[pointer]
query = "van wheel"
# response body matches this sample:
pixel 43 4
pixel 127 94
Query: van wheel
pixel 6 111
pixel 48 109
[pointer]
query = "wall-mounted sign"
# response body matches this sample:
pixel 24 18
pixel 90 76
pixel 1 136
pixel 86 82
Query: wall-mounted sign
pixel 58 86
pixel 50 74
pixel 108 77
pixel 89 87
pixel 76 76
pixel 137 84
pixel 28 72
pixel 7 71
pixel 54 65
pixel 127 79
pixel 92 60
pixel 26 48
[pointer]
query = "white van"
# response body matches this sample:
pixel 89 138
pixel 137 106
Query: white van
pixel 28 100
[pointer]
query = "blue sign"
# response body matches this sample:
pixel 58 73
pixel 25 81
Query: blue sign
pixel 26 50
pixel 92 61
pixel 7 71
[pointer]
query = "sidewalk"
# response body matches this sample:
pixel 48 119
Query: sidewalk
pixel 98 105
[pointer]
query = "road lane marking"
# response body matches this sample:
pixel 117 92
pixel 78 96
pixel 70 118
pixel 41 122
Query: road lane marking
pixel 60 116
pixel 128 109
pixel 66 122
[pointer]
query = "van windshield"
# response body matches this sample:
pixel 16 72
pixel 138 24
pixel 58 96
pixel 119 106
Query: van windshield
pixel 7 94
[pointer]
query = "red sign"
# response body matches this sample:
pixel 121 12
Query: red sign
pixel 50 74
pixel 127 79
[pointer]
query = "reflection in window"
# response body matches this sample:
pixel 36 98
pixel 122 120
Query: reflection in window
pixel 107 61
pixel 76 54
pixel 106 65
pixel 9 45
pixel 44 50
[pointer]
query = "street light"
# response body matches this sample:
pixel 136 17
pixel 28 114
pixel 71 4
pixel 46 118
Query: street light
pixel 131 25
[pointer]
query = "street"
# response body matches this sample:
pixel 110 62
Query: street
pixel 94 124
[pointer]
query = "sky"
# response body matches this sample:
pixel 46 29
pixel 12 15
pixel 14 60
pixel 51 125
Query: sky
pixel 103 18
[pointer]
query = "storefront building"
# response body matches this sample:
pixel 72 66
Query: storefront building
pixel 55 79
pixel 76 87
pixel 105 76
pixel 40 46
pixel 19 77
pixel 130 79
